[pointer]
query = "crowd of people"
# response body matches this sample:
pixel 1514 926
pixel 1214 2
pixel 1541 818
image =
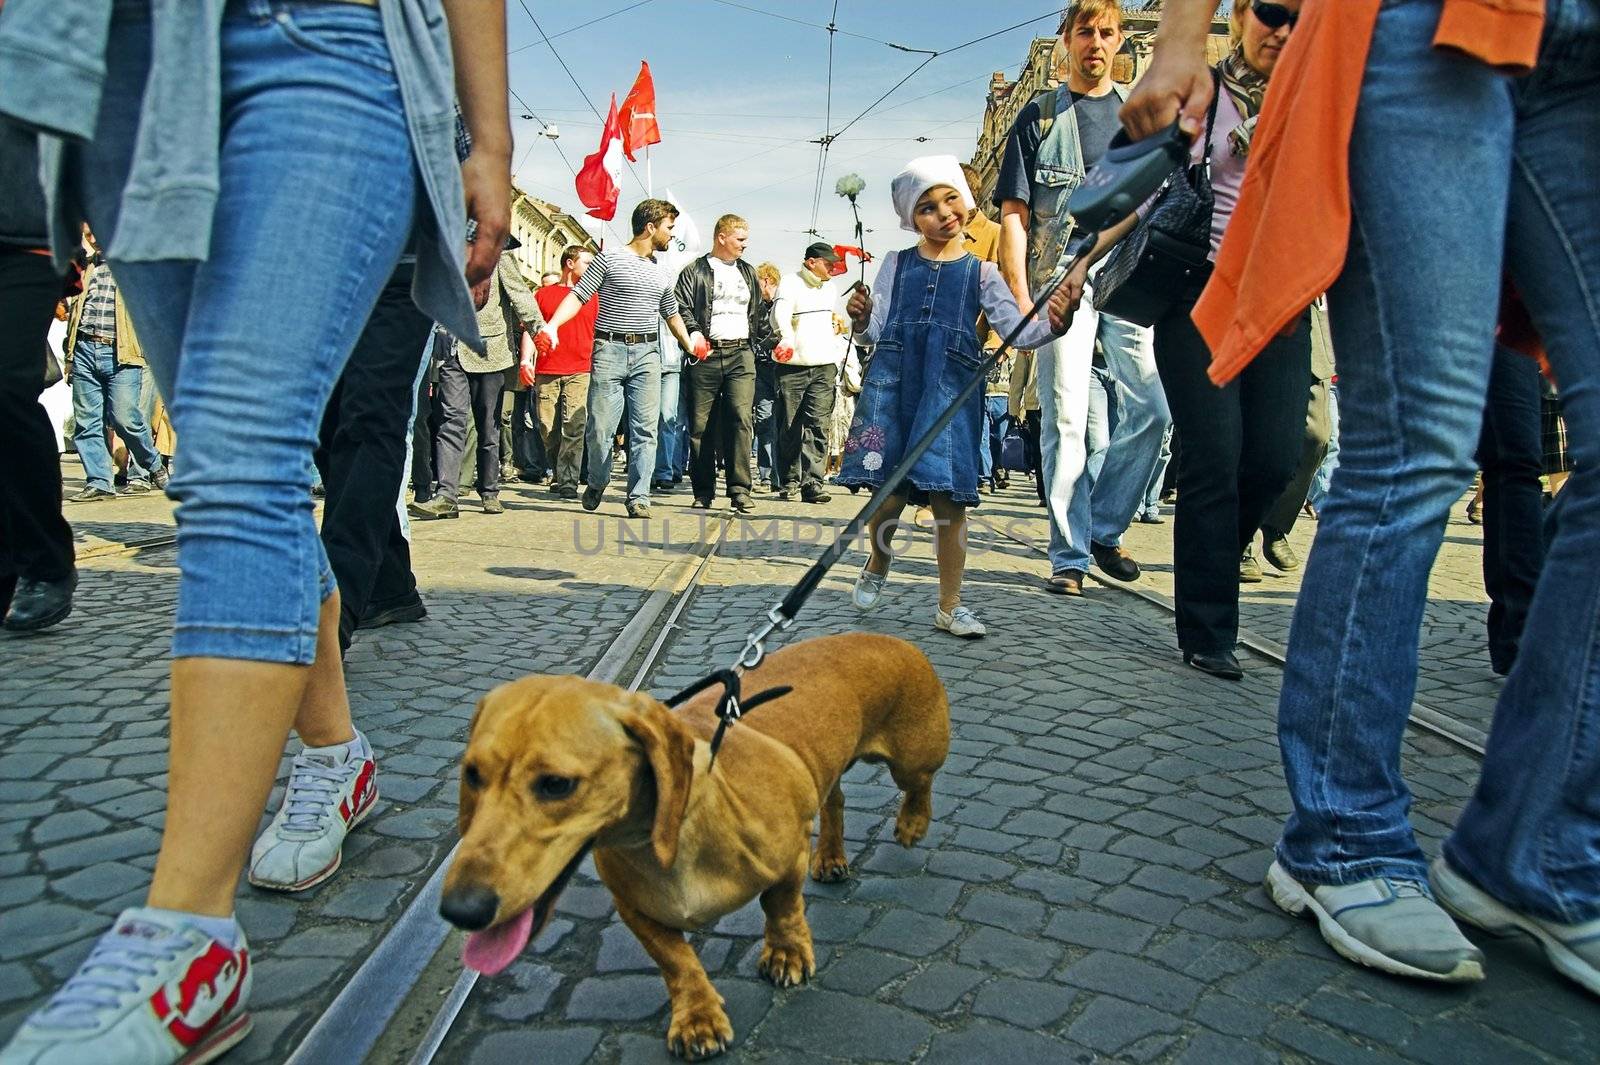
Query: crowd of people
pixel 1313 179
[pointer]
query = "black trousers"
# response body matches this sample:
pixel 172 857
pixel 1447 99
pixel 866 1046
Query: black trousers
pixel 803 407
pixel 724 383
pixel 1241 444
pixel 520 440
pixel 1313 449
pixel 35 541
pixel 422 433
pixel 463 395
pixel 362 456
pixel 1510 453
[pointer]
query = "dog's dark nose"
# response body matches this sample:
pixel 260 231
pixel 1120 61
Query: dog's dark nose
pixel 470 908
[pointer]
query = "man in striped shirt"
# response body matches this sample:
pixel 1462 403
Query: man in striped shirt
pixel 635 293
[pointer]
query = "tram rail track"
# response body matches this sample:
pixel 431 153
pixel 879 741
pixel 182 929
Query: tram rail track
pixel 411 980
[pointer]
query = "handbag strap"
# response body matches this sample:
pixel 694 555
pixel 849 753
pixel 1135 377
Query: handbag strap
pixel 1211 120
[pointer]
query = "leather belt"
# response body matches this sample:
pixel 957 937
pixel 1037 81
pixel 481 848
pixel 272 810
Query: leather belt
pixel 627 338
pixel 725 345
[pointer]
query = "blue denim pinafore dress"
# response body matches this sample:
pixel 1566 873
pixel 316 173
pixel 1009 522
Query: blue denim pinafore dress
pixel 927 352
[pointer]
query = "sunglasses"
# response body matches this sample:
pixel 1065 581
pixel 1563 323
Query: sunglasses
pixel 1275 16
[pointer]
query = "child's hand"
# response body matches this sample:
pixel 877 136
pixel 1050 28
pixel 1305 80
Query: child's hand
pixel 1064 304
pixel 859 308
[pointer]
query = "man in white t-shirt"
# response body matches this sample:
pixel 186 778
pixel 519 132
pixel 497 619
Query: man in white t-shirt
pixel 719 295
pixel 808 357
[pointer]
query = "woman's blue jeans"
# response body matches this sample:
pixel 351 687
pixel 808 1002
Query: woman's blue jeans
pixel 317 194
pixel 1414 319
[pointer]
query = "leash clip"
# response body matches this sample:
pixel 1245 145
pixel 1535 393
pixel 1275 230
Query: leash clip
pixel 755 645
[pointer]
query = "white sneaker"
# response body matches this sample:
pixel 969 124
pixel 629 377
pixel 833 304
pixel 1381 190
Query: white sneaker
pixel 330 791
pixel 1384 923
pixel 960 622
pixel 1573 949
pixel 869 587
pixel 153 991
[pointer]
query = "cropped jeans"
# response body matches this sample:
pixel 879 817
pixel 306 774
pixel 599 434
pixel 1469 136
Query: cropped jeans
pixel 1413 319
pixel 247 345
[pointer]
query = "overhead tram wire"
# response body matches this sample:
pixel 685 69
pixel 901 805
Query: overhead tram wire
pixel 553 143
pixel 820 26
pixel 827 120
pixel 579 26
pixel 575 83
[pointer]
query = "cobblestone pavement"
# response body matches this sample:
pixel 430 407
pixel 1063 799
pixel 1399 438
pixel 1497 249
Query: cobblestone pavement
pixel 1090 890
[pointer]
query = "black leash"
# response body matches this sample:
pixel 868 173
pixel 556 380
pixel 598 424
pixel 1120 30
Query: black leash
pixel 729 709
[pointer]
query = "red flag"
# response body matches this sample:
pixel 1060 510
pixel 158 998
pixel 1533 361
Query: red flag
pixel 599 181
pixel 639 113
pixel 843 263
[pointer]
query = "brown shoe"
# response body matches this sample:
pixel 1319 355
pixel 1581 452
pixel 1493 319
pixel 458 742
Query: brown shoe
pixel 1067 582
pixel 1115 561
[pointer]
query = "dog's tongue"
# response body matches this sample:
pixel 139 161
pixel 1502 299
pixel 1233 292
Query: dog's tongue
pixel 494 948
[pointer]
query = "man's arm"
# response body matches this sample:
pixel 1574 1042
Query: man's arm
pixel 521 296
pixel 684 291
pixel 1014 251
pixel 783 312
pixel 478 44
pixel 1178 84
pixel 565 312
pixel 675 327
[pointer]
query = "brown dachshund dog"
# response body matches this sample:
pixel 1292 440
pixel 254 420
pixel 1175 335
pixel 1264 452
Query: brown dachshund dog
pixel 555 764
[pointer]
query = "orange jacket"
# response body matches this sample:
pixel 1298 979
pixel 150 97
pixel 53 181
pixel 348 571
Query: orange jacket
pixel 1287 239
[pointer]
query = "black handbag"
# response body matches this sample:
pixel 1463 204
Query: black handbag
pixel 1167 256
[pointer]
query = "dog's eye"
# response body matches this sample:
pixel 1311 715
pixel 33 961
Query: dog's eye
pixel 548 787
pixel 472 777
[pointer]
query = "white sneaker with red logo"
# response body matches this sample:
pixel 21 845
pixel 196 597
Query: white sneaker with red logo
pixel 330 791
pixel 153 991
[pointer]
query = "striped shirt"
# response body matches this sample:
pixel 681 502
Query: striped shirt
pixel 634 293
pixel 99 317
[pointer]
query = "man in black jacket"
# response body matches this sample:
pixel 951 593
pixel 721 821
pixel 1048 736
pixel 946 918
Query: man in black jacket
pixel 720 298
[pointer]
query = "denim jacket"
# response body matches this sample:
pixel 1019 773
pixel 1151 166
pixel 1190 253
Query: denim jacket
pixel 1057 170
pixel 52 64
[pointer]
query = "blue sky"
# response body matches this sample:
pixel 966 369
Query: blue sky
pixel 740 92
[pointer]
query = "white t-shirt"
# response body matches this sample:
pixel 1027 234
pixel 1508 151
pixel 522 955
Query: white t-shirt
pixel 730 302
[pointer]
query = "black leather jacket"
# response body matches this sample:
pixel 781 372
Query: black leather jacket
pixel 694 303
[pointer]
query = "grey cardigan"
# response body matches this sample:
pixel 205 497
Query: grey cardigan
pixel 52 64
pixel 508 295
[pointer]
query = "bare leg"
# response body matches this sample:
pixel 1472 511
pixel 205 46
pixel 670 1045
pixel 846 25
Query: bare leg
pixel 324 715
pixel 881 528
pixel 828 861
pixel 950 546
pixel 700 1027
pixel 787 958
pixel 230 718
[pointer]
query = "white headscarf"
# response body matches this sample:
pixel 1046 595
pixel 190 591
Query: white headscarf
pixel 922 174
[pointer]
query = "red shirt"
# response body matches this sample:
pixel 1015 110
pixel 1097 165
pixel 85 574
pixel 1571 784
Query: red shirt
pixel 575 351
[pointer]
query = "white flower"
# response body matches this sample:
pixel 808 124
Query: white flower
pixel 872 460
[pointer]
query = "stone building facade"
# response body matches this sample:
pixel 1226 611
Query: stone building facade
pixel 545 230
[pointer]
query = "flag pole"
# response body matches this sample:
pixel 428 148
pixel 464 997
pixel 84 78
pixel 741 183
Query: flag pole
pixel 649 179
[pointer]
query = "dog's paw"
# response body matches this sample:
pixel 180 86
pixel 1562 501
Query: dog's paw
pixel 699 1031
pixel 828 868
pixel 910 827
pixel 787 964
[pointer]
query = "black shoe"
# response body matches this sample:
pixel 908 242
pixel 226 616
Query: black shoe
pixel 743 504
pixel 814 495
pixel 1276 549
pixel 1249 568
pixel 159 478
pixel 492 505
pixel 786 494
pixel 591 498
pixel 407 608
pixel 1221 664
pixel 1115 561
pixel 90 494
pixel 137 488
pixel 566 491
pixel 666 487
pixel 37 605
pixel 434 509
pixel 318 491
pixel 702 503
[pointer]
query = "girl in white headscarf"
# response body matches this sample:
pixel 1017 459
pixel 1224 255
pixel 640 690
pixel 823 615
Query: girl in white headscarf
pixel 924 328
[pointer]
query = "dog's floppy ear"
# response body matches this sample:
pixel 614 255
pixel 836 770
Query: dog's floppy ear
pixel 669 749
